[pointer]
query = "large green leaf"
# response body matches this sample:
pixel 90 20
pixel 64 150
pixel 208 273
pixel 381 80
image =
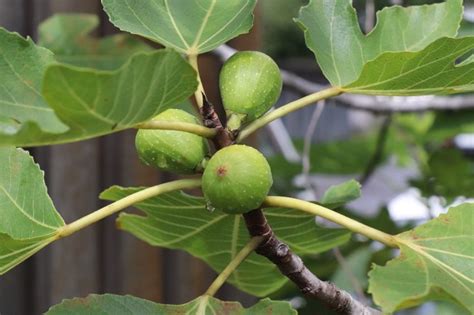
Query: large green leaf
pixel 95 103
pixel 177 220
pixel 409 52
pixel 189 26
pixel 29 220
pixel 109 304
pixel 432 70
pixel 436 262
pixel 67 36
pixel 22 65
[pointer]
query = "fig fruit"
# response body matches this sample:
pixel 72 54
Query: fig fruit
pixel 175 151
pixel 250 84
pixel 236 179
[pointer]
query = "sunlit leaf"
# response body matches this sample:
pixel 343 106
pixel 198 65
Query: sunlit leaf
pixel 68 37
pixel 432 70
pixel 411 51
pixel 436 262
pixel 177 220
pixel 95 103
pixel 28 219
pixel 109 304
pixel 191 26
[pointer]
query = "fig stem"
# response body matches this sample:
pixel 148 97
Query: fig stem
pixel 286 109
pixel 179 126
pixel 234 263
pixel 199 94
pixel 353 225
pixel 124 203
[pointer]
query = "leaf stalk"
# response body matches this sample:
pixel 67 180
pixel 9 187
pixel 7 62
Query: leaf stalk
pixel 125 203
pixel 233 265
pixel 199 94
pixel 351 224
pixel 286 109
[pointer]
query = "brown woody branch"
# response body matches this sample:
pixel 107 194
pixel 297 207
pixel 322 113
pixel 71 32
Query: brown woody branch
pixel 290 264
pixel 293 267
pixel 210 119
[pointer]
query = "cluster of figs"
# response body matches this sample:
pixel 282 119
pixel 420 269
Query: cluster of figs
pixel 237 178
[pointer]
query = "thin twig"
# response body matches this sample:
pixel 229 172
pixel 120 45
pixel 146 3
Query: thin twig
pixel 306 159
pixel 369 15
pixel 378 153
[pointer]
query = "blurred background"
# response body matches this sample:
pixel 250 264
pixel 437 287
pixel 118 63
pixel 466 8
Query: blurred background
pixel 412 166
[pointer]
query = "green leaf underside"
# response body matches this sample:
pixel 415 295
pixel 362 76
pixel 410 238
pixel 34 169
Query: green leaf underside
pixel 191 26
pixel 68 37
pixel 338 195
pixel 429 71
pixel 22 65
pixel 109 304
pixel 436 262
pixel 180 221
pixel 409 52
pixel 29 220
pixel 95 103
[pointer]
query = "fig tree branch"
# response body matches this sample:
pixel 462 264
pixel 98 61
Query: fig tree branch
pixel 232 266
pixel 126 202
pixel 290 264
pixel 293 267
pixel 375 104
pixel 178 126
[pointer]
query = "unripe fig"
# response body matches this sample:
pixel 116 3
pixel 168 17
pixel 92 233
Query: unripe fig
pixel 175 151
pixel 250 84
pixel 236 179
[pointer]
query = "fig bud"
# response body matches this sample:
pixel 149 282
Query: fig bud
pixel 236 179
pixel 174 151
pixel 250 84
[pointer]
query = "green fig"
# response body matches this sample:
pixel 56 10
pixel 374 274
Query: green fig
pixel 250 83
pixel 236 179
pixel 174 151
